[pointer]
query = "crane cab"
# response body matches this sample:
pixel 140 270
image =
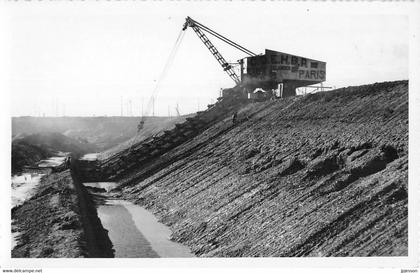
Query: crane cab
pixel 262 75
pixel 277 73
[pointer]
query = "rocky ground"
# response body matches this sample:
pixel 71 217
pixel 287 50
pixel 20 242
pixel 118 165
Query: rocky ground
pixel 320 175
pixel 59 221
pixel 50 222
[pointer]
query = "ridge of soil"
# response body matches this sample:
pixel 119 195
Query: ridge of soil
pixel 320 175
pixel 59 221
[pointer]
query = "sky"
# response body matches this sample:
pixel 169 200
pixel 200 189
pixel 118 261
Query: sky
pixel 91 59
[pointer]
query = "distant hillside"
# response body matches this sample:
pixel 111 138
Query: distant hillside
pixel 103 132
pixel 151 127
pixel 28 149
pixel 26 154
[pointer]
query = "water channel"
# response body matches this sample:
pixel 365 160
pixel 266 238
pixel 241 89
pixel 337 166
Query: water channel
pixel 134 231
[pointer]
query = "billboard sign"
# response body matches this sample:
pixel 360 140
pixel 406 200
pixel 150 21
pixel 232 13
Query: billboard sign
pixel 280 66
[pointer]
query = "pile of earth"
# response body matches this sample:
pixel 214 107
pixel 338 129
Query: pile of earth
pixel 59 221
pixel 49 223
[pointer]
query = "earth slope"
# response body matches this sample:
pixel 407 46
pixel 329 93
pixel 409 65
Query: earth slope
pixel 320 175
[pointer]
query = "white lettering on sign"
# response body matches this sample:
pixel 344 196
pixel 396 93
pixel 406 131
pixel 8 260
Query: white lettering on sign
pixel 280 66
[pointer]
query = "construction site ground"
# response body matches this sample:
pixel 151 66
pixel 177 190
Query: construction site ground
pixel 320 175
pixel 324 174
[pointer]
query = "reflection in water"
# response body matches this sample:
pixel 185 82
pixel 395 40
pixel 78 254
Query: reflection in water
pixel 134 231
pixel 127 240
pixel 155 232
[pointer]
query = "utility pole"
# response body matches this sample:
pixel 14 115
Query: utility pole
pixel 141 109
pixel 142 106
pixel 153 106
pixel 53 107
pixel 177 109
pixel 121 106
pixel 56 106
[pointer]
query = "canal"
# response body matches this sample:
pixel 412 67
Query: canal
pixel 134 231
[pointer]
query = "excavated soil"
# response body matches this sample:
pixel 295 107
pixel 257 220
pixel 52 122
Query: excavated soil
pixel 59 221
pixel 320 175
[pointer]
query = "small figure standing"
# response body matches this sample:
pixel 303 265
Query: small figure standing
pixel 140 126
pixel 273 94
pixel 234 117
pixel 67 162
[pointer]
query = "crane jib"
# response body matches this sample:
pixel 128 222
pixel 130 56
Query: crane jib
pixel 199 28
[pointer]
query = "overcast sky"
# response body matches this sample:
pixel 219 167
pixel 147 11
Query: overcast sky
pixel 80 59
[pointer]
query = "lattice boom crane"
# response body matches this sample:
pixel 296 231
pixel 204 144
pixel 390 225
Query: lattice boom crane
pixel 199 28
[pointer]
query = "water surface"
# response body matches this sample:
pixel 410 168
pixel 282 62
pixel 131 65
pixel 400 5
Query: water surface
pixel 107 186
pixel 23 187
pixel 134 231
pixel 127 240
pixel 90 157
pixel 54 161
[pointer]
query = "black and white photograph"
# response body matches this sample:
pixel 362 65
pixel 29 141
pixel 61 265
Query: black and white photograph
pixel 207 131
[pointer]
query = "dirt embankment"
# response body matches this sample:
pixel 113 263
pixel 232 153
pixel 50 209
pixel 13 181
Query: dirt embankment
pixel 59 221
pixel 132 155
pixel 321 175
pixel 26 154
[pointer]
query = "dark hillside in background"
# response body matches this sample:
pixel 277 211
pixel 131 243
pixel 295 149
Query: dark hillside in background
pixel 29 149
pixel 103 132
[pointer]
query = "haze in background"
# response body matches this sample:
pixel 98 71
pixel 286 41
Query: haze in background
pixel 84 60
